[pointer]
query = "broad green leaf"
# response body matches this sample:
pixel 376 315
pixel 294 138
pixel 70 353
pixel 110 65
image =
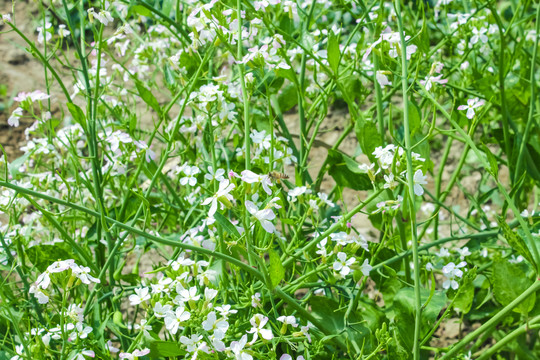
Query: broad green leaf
pixel 516 242
pixel 415 118
pixel 166 349
pixel 368 136
pixel 148 97
pixel 227 225
pixel 493 164
pixel 346 172
pixel 78 114
pixel 16 164
pixel 44 255
pixel 332 315
pixel 141 10
pixel 404 314
pixel 170 76
pixel 509 281
pixel 167 7
pixel 333 50
pixel 465 293
pixel 276 270
pixel 288 98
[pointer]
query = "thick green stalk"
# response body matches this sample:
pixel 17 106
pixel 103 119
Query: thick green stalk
pixel 247 125
pixel 491 322
pixel 531 106
pixel 531 324
pixel 412 196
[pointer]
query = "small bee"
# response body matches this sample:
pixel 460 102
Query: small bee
pixel 277 176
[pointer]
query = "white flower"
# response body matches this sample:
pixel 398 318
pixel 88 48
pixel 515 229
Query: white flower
pixel 428 82
pixel 288 320
pixel 366 268
pixel 479 35
pixel 19 350
pixel 188 295
pixel 144 327
pixel 321 246
pixel 15 116
pixel 471 105
pixel 135 354
pixel 256 300
pixel 218 327
pixel 390 182
pixel 160 311
pixel 463 252
pixel 237 347
pixel 223 195
pixel 80 332
pixel 342 264
pixel 62 31
pixel 174 319
pixel 190 178
pixel 103 16
pixel 250 177
pixel 419 179
pixel 83 273
pixel 382 79
pixel 264 216
pixel 140 296
pixel 217 175
pixel 258 322
pixel 452 271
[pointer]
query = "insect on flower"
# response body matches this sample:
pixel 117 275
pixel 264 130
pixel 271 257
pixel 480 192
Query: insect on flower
pixel 277 176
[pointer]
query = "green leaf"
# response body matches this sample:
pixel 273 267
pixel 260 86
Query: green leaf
pixel 227 225
pixel 148 97
pixel 276 270
pixel 288 98
pixel 404 314
pixel 165 349
pixel 167 7
pixel 332 316
pixel 333 50
pixel 16 164
pixel 509 281
pixel 516 242
pixel 78 114
pixel 415 118
pixel 368 136
pixel 493 164
pixel 141 10
pixel 170 77
pixel 44 255
pixel 346 173
pixel 465 293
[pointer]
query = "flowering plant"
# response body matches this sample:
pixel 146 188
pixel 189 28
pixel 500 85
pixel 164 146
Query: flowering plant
pixel 179 193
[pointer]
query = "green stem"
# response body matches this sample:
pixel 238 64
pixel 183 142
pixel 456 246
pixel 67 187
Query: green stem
pixel 530 121
pixel 491 322
pixel 247 125
pixel 158 239
pixel 486 165
pixel 531 324
pixel 408 145
pixel 330 230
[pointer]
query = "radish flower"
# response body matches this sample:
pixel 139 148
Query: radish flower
pixel 471 105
